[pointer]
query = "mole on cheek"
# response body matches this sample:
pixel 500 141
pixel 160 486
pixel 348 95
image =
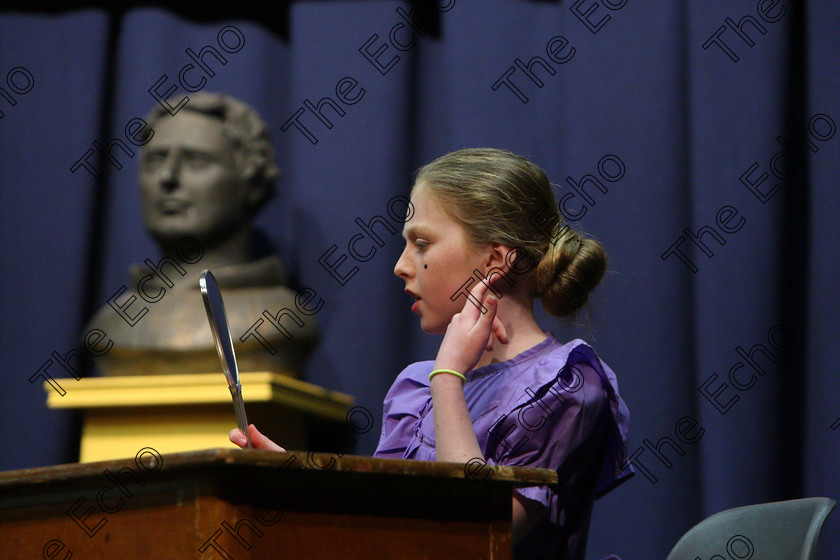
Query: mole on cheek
pixel 425 266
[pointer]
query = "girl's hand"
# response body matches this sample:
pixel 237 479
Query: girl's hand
pixel 258 440
pixel 470 332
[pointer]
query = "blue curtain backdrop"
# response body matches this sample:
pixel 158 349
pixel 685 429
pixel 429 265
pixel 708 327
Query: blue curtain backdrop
pixel 711 130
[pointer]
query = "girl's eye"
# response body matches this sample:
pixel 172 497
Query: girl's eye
pixel 420 245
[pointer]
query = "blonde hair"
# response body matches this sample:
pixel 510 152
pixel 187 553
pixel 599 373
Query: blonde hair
pixel 500 197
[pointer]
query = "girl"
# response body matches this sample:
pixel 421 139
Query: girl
pixel 486 238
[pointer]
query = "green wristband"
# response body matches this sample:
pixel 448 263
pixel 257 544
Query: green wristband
pixel 453 372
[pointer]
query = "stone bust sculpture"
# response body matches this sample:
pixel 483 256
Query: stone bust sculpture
pixel 204 175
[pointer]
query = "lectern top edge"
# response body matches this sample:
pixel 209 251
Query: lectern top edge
pixel 233 458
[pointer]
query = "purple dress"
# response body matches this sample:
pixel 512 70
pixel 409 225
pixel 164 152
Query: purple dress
pixel 553 406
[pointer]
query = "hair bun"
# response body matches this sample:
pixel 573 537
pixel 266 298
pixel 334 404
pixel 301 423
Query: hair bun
pixel 500 197
pixel 568 272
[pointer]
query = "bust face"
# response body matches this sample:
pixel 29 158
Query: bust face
pixel 189 181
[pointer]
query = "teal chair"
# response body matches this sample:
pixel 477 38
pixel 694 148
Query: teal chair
pixel 774 531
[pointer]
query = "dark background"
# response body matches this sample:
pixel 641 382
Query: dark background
pixel 686 122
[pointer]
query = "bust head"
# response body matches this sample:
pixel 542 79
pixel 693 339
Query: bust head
pixel 206 171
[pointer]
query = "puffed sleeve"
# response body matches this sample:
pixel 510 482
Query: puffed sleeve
pixel 563 414
pixel 401 410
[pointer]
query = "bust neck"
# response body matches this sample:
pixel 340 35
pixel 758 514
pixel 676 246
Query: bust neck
pixel 234 249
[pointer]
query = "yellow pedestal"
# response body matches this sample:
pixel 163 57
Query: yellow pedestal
pixel 175 413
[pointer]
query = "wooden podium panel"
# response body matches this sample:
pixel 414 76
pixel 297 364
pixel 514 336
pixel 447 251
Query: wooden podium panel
pixel 244 504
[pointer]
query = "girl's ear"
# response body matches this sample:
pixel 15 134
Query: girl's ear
pixel 496 269
pixel 496 255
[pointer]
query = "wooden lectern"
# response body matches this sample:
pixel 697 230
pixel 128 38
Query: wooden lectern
pixel 247 504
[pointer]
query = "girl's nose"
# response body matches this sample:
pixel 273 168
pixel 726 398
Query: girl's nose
pixel 402 268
